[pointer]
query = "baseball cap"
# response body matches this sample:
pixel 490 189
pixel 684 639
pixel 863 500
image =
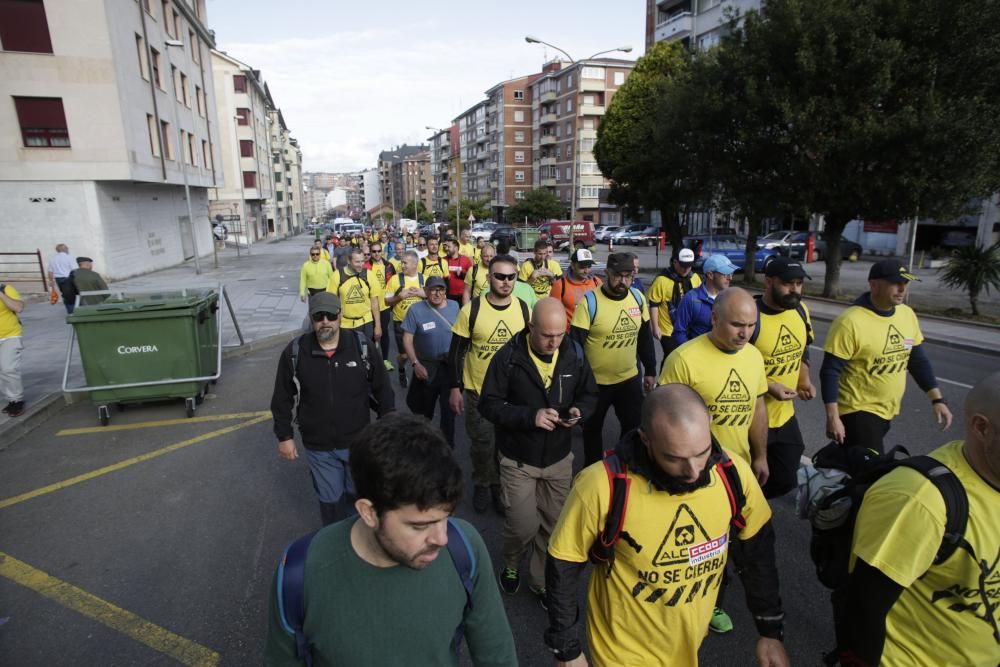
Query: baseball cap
pixel 324 302
pixel 785 269
pixel 81 260
pixel 620 262
pixel 435 281
pixel 583 257
pixel 685 257
pixel 719 264
pixel 892 270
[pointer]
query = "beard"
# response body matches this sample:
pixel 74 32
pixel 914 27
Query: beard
pixel 787 301
pixel 326 334
pixel 398 555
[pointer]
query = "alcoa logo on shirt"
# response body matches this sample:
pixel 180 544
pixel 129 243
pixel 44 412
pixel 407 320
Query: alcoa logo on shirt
pixel 137 349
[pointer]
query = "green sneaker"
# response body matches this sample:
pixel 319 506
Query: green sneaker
pixel 389 366
pixel 720 623
pixel 510 580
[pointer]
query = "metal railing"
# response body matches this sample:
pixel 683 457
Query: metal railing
pixel 23 267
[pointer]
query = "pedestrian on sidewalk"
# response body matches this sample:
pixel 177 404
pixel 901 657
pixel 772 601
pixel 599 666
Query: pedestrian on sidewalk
pixel 458 267
pixel 426 340
pixel 869 349
pixel 314 274
pixel 570 288
pixel 537 388
pixel 327 382
pixel 61 265
pixel 11 305
pixel 665 294
pixel 85 279
pixel 694 314
pixel 540 270
pixel 477 280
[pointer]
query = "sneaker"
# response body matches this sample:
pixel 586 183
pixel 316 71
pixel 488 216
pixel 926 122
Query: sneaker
pixel 540 593
pixel 510 580
pixel 498 506
pixel 481 498
pixel 388 366
pixel 14 409
pixel 402 377
pixel 720 623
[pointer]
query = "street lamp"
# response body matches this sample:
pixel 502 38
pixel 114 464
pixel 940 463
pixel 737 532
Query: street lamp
pixel 176 43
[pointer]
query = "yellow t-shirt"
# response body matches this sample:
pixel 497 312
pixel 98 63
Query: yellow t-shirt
pixel 314 275
pixel 355 299
pixel 545 368
pixel 376 275
pixel 468 250
pixel 540 285
pixel 782 340
pixel 613 337
pixel 655 606
pixel 399 310
pixel 728 382
pixel 939 619
pixel 660 294
pixel 10 325
pixel 877 349
pixel 478 278
pixel 494 327
pixel 430 268
pixel 397 265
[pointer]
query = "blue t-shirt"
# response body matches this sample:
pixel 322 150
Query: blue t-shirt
pixel 431 337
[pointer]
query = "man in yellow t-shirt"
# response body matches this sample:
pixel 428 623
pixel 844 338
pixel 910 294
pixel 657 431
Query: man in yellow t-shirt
pixel 433 264
pixel 665 294
pixel 612 325
pixel 402 291
pixel 315 274
pixel 783 335
pixel 379 271
pixel 868 351
pixel 360 308
pixel 901 608
pixel 325 255
pixel 652 603
pixel 477 280
pixel 484 325
pixel 11 305
pixel 465 246
pixel 541 270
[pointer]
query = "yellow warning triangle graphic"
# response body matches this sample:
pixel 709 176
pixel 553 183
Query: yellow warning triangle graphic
pixel 684 530
pixel 786 342
pixel 893 341
pixel 355 294
pixel 500 335
pixel 625 324
pixel 735 390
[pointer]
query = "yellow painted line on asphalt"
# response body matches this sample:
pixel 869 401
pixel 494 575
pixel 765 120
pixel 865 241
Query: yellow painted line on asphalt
pixel 14 500
pixel 162 422
pixel 76 599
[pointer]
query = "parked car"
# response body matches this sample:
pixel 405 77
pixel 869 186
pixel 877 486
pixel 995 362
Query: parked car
pixel 647 236
pixel 776 240
pixel 482 230
pixel 601 235
pixel 619 236
pixel 504 233
pixel 733 247
pixel 958 238
pixel 558 232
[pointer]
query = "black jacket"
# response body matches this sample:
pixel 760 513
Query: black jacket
pixel 334 404
pixel 513 392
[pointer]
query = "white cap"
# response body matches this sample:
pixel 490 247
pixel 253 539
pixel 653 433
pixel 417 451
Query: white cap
pixel 686 255
pixel 582 255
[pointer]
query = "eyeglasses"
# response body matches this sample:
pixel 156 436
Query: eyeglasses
pixel 421 245
pixel 509 277
pixel 323 315
pixel 375 252
pixel 314 254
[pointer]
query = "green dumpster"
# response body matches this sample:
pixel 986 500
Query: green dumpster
pixel 148 346
pixel 525 238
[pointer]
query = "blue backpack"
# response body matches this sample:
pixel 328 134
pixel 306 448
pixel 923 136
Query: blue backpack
pixel 291 587
pixel 592 301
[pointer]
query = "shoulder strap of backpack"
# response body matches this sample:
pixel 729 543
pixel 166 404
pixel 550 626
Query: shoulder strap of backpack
pixel 291 594
pixel 805 320
pixel 579 354
pixel 756 330
pixel 637 295
pixel 342 273
pixel 524 313
pixel 734 489
pixel 465 563
pixel 956 503
pixel 295 378
pixel 473 314
pixel 591 304
pixel 603 548
pixel 363 346
pixel 475 272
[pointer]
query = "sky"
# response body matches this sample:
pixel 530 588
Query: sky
pixel 355 78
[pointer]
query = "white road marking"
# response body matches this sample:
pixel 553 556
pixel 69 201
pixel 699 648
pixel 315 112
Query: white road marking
pixel 940 379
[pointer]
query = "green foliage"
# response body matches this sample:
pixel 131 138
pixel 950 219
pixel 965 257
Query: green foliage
pixel 537 206
pixel 974 269
pixel 416 210
pixel 480 209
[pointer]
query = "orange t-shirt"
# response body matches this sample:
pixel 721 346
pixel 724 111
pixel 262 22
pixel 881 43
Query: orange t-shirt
pixel 570 293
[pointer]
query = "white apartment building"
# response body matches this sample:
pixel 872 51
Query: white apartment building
pixel 474 153
pixel 284 211
pixel 369 188
pixel 108 106
pixel 696 23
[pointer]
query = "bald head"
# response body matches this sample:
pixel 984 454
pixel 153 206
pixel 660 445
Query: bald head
pixel 676 430
pixel 548 310
pixel 982 428
pixel 734 317
pixel 734 298
pixel 548 326
pixel 673 404
pixel 984 399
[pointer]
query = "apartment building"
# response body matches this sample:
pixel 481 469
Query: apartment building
pixel 110 106
pixel 568 101
pixel 474 153
pixel 696 23
pixel 441 157
pixel 368 189
pixel 509 142
pixel 395 191
pixel 314 205
pixel 284 211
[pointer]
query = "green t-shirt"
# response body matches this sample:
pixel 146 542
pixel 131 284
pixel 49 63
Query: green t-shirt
pixel 362 615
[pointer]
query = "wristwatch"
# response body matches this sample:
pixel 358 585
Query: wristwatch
pixel 939 400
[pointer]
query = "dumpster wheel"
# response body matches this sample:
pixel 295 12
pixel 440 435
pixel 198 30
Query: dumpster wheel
pixel 189 404
pixel 104 414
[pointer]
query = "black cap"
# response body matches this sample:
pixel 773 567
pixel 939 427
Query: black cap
pixel 324 302
pixel 891 270
pixel 81 260
pixel 620 262
pixel 435 281
pixel 785 269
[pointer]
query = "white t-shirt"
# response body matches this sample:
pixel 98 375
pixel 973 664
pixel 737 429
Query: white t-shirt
pixel 61 264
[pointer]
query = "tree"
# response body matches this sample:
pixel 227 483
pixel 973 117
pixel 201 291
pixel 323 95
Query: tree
pixel 537 206
pixel 975 269
pixel 480 209
pixel 416 210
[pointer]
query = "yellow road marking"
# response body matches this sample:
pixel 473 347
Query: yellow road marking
pixel 159 639
pixel 162 422
pixel 14 500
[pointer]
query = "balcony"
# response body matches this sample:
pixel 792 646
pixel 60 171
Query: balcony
pixel 586 134
pixel 591 110
pixel 494 183
pixel 549 182
pixel 676 27
pixel 593 84
pixel 547 96
pixel 550 140
pixel 549 161
pixel 547 119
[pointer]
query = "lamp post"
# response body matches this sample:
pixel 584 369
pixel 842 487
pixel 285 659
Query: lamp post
pixel 575 143
pixel 180 163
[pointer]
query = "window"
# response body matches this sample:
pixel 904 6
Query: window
pixel 23 26
pixel 280 196
pixel 518 156
pixel 592 73
pixel 174 21
pixel 246 148
pixel 569 128
pixel 154 57
pixel 519 137
pixel 569 105
pixel 148 6
pixel 519 95
pixel 569 81
pixel 190 150
pixel 519 176
pixel 569 173
pixel 199 100
pixel 250 179
pixel 239 83
pixel 558 153
pixel 587 144
pixel 588 100
pixel 174 74
pixel 518 116
pixel 518 194
pixel 154 140
pixel 43 122
pixel 589 168
pixel 166 24
pixel 589 191
pixel 168 142
pixel 140 51
pixel 195 47
pixel 558 108
pixel 588 123
pixel 206 155
pixel 558 85
pixel 558 131
pixel 619 78
pixel 243 116
pixel 184 90
pixel 705 5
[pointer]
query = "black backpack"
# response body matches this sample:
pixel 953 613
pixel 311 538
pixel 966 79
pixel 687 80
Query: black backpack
pixel 477 304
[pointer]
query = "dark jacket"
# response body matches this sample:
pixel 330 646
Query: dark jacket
pixel 513 392
pixel 335 392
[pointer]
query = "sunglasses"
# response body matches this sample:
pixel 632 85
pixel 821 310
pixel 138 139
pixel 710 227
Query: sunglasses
pixel 314 254
pixel 421 245
pixel 376 251
pixel 510 277
pixel 319 317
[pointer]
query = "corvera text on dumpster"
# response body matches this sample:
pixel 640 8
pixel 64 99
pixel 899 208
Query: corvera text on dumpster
pixel 136 349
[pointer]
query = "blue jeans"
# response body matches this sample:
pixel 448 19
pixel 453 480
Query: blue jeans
pixel 331 475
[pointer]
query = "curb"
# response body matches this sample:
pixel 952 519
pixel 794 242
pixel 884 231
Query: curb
pixel 52 404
